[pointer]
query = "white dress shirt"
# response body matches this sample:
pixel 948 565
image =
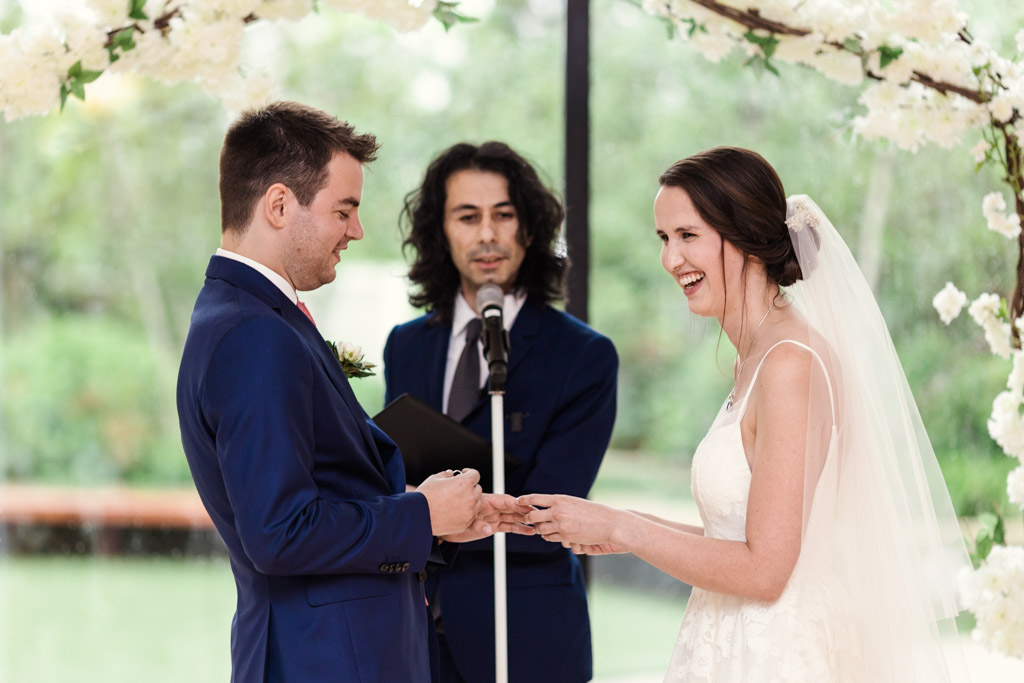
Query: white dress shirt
pixel 276 278
pixel 461 316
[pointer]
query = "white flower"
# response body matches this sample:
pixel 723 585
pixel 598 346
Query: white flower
pixel 1015 486
pixel 1015 381
pixel 985 310
pixel 841 67
pixel 404 15
pixel 1001 107
pixel 110 13
pixel 949 302
pixel 993 207
pixel 980 151
pixel 351 352
pixel 1006 425
pixel 1019 38
pixel 30 74
pixel 254 90
pixel 995 593
pixel 985 307
pixel 292 10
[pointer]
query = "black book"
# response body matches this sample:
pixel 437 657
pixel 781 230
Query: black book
pixel 432 442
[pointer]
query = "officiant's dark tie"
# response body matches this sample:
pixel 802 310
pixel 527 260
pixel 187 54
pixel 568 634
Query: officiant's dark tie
pixel 466 383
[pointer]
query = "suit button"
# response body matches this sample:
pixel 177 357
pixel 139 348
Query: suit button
pixel 422 575
pixel 385 568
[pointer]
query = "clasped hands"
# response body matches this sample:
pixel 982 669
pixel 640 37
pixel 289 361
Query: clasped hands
pixel 461 512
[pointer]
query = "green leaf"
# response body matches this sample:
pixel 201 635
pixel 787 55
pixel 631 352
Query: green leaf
pixel 77 73
pixel 766 43
pixel 125 38
pixel 853 45
pixel 887 55
pixel 991 531
pixel 137 11
pixel 88 76
pixel 63 95
pixel 448 15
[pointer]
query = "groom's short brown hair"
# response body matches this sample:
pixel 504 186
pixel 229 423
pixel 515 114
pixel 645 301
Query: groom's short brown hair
pixel 283 142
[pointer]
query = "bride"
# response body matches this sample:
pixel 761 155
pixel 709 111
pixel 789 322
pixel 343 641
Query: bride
pixel 829 546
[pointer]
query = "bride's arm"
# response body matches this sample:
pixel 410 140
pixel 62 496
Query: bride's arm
pixel 758 567
pixel 688 528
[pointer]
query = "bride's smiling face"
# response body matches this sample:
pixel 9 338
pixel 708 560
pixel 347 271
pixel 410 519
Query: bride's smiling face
pixel 694 254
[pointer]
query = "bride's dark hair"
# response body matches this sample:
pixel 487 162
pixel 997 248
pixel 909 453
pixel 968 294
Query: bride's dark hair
pixel 740 195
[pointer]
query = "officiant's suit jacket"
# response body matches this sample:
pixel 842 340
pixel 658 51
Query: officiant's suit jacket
pixel 559 412
pixel 308 494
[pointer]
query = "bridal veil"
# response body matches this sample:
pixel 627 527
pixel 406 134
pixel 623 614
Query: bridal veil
pixel 879 524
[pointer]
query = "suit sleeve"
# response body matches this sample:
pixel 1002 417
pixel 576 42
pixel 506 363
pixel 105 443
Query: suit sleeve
pixel 258 399
pixel 574 443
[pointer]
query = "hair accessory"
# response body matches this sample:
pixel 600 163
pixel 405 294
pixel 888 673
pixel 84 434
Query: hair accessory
pixel 800 214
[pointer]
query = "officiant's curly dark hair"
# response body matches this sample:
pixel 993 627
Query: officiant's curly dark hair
pixel 543 271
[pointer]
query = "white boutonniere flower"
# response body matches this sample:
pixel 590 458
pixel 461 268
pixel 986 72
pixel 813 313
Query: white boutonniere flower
pixel 350 357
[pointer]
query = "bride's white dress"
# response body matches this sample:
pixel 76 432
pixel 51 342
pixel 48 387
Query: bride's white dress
pixel 803 636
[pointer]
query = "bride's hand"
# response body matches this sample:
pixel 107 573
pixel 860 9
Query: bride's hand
pixel 594 549
pixel 567 519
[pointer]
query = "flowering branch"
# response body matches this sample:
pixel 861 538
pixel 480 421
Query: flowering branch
pixel 188 41
pixel 928 81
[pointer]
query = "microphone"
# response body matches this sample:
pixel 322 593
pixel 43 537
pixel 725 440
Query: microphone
pixel 490 301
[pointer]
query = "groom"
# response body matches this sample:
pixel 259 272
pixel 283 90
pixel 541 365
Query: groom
pixel 327 549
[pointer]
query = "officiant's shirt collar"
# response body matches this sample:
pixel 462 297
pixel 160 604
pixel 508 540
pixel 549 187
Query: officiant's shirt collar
pixel 463 312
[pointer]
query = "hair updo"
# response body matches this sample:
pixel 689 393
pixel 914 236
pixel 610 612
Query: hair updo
pixel 740 195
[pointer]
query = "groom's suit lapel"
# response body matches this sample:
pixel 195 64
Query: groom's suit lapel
pixel 246 278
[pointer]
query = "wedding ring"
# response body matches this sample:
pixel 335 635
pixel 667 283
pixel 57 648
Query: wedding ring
pixel 455 473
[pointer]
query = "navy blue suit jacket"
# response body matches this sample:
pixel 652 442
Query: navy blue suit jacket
pixel 559 412
pixel 308 494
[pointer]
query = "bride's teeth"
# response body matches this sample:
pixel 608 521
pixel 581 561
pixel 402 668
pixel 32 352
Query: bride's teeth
pixel 690 279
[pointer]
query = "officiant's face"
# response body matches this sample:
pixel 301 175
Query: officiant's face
pixel 482 229
pixel 694 254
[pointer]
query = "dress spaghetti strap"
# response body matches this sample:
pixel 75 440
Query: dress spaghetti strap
pixel 828 380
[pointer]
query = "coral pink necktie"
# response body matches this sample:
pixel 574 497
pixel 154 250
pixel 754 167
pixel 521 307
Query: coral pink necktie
pixel 302 307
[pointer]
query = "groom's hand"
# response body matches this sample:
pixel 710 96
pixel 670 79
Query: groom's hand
pixel 453 498
pixel 497 513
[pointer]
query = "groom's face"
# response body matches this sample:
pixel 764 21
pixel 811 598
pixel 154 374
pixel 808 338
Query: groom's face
pixel 320 231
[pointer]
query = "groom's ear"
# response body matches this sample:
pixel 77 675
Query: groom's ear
pixel 276 204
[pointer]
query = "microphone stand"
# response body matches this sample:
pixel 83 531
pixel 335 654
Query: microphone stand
pixel 500 580
pixel 496 347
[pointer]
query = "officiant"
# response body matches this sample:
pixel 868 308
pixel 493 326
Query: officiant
pixel 482 215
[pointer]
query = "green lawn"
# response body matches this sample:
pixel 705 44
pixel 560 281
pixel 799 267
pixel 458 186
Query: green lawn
pixel 65 619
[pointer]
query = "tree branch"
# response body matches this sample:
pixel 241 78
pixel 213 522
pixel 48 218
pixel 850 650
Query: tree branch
pixel 752 19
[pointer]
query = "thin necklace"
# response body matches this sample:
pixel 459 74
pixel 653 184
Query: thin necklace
pixel 743 361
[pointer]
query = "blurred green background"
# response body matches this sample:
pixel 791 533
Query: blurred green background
pixel 109 213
